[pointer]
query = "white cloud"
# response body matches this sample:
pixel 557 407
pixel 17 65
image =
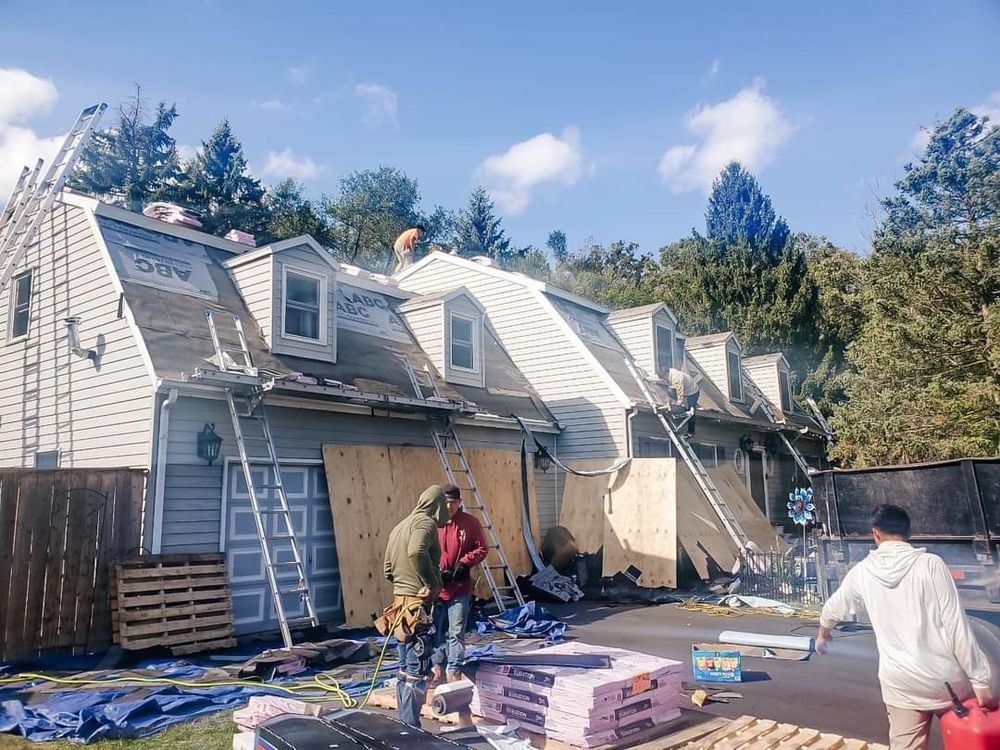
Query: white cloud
pixel 749 127
pixel 381 104
pixel 285 163
pixel 713 70
pixel 22 97
pixel 990 108
pixel 297 74
pixel 511 177
pixel 270 105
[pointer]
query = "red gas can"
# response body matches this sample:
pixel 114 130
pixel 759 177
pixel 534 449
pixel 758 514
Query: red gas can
pixel 977 730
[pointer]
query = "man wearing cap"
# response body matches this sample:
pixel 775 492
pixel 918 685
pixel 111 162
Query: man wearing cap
pixel 463 547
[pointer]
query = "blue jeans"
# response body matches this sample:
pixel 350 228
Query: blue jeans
pixel 449 622
pixel 411 689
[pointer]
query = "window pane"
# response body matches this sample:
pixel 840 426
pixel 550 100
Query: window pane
pixel 462 347
pixel 22 293
pixel 461 330
pixel 21 305
pixel 302 290
pixel 461 355
pixel 786 394
pixel 735 381
pixel 664 350
pixel 303 323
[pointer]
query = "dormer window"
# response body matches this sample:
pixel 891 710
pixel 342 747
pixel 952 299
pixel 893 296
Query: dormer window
pixel 664 350
pixel 735 376
pixel 463 345
pixel 304 315
pixel 785 390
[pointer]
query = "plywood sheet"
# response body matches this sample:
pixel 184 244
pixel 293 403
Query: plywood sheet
pixel 372 488
pixel 641 522
pixel 583 503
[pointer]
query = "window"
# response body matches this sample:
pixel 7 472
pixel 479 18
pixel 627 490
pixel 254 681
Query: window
pixel 735 376
pixel 711 455
pixel 664 350
pixel 20 305
pixel 305 300
pixel 785 389
pixel 463 342
pixel 47 460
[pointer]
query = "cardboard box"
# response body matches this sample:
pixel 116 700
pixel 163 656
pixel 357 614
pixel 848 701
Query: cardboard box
pixel 716 666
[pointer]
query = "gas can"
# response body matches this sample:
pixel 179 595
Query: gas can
pixel 977 730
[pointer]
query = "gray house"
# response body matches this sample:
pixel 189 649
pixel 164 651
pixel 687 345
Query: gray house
pixel 118 392
pixel 574 352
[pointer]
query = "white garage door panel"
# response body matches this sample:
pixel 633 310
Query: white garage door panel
pixel 309 506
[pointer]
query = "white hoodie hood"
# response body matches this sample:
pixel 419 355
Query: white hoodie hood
pixel 923 636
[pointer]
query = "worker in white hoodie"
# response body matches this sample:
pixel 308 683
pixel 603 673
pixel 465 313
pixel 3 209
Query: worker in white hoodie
pixel 923 636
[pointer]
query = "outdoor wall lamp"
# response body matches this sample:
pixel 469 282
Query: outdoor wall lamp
pixel 73 333
pixel 209 443
pixel 542 461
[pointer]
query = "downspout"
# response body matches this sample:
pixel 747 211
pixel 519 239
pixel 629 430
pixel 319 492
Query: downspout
pixel 162 433
pixel 630 414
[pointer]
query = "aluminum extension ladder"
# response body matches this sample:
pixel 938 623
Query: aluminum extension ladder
pixel 459 472
pixel 694 464
pixel 765 406
pixel 31 200
pixel 251 426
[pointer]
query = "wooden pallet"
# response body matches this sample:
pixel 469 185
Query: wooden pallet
pixel 750 732
pixel 178 601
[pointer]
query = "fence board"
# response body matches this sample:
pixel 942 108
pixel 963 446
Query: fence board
pixel 63 530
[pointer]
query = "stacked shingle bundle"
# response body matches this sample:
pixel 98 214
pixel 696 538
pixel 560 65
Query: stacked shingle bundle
pixel 582 707
pixel 172 214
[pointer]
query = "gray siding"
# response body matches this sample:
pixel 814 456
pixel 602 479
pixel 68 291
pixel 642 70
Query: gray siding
pixel 427 325
pixel 712 360
pixel 765 377
pixel 305 259
pixel 593 417
pixel 96 416
pixel 636 334
pixel 255 280
pixel 193 490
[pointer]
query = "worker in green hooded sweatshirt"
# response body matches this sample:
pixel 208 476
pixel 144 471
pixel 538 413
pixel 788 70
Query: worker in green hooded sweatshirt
pixel 412 561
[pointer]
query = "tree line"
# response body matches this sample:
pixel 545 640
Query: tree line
pixel 901 347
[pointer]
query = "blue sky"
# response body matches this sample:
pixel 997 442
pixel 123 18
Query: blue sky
pixel 605 120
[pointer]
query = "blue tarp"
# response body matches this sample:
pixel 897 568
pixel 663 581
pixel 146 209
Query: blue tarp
pixel 530 621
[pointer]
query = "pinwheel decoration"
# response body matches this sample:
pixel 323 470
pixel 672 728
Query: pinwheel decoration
pixel 800 506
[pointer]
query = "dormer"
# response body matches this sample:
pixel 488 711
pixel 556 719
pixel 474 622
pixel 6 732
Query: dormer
pixel 720 356
pixel 650 335
pixel 290 287
pixel 770 374
pixel 450 328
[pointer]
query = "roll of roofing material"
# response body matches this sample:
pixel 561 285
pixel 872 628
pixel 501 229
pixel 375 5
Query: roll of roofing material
pixel 452 698
pixel 766 640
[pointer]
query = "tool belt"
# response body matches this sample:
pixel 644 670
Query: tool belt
pixel 405 618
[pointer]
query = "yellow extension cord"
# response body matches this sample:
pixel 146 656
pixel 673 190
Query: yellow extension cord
pixel 720 610
pixel 322 681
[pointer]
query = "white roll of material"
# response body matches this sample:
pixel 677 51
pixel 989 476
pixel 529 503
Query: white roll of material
pixel 765 640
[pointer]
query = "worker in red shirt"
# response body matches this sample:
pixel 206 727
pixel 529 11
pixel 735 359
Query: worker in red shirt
pixel 463 547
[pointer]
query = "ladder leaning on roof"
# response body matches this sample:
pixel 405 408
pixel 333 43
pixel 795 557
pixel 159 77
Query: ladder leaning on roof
pixel 246 408
pixel 459 473
pixel 691 460
pixel 761 400
pixel 31 200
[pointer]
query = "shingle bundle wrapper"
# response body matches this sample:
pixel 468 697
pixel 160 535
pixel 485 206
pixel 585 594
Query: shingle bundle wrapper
pixel 582 707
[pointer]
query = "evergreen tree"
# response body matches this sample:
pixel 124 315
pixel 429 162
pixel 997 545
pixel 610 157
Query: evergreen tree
pixel 617 276
pixel 926 384
pixel 134 162
pixel 557 245
pixel 739 213
pixel 291 214
pixel 479 231
pixel 220 187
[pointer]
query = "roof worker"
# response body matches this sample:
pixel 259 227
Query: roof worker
pixel 463 547
pixel 922 633
pixel 684 393
pixel 406 245
pixel 412 564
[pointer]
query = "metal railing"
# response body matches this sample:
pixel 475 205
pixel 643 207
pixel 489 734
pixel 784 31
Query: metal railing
pixel 789 577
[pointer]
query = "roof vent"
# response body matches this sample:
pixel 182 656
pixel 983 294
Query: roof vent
pixel 243 238
pixel 171 213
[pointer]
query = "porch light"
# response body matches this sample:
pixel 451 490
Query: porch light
pixel 209 443
pixel 542 461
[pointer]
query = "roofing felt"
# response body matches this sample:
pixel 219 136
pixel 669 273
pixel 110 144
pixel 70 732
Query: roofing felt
pixel 173 325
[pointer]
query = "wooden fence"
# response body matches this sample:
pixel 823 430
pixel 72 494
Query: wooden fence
pixel 59 533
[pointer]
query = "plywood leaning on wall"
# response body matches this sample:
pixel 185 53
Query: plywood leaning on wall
pixel 372 488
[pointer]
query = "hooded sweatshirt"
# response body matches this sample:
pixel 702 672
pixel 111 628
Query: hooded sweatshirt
pixel 923 635
pixel 413 555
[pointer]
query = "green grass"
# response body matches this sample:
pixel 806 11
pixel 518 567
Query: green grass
pixel 213 732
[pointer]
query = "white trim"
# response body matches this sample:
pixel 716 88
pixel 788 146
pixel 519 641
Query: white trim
pixel 422 301
pixel 276 247
pixel 322 305
pixel 714 447
pixel 739 376
pixel 475 325
pixel 160 483
pixel 656 347
pixel 116 283
pixel 12 300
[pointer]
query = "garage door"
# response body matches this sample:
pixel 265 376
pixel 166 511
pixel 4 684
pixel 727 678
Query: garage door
pixel 309 503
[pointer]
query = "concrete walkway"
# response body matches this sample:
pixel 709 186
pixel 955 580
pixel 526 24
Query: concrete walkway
pixel 836 693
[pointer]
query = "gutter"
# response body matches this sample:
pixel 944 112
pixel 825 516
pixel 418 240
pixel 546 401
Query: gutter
pixel 160 465
pixel 630 414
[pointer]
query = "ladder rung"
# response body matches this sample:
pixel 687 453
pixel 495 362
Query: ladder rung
pixel 295 622
pixel 272 511
pixel 289 564
pixel 296 590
